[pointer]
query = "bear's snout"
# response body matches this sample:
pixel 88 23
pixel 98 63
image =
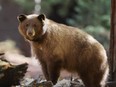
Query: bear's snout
pixel 30 32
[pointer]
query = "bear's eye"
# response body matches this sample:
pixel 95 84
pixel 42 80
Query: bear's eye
pixel 34 25
pixel 27 25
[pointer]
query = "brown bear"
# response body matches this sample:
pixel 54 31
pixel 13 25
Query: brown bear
pixel 58 46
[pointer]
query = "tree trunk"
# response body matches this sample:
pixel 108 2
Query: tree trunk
pixel 37 6
pixel 113 41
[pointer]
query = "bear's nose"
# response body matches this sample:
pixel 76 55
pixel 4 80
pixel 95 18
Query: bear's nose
pixel 30 33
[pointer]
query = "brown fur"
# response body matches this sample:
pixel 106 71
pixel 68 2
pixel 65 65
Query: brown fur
pixel 65 47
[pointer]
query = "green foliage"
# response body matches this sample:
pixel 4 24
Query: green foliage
pixel 91 12
pixel 27 5
pixel 46 6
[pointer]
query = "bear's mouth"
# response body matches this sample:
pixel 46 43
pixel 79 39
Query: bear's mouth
pixel 29 38
pixel 36 37
pixel 32 38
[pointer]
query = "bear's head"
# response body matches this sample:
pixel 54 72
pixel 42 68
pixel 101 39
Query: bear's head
pixel 31 27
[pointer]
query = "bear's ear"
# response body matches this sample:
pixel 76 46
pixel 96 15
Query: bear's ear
pixel 21 18
pixel 41 17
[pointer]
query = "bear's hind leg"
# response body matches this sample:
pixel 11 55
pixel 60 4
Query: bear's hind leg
pixel 86 80
pixel 95 79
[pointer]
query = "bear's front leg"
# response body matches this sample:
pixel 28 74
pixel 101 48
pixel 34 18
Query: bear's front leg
pixel 45 71
pixel 54 71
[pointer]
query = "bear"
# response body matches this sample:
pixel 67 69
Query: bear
pixel 61 47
